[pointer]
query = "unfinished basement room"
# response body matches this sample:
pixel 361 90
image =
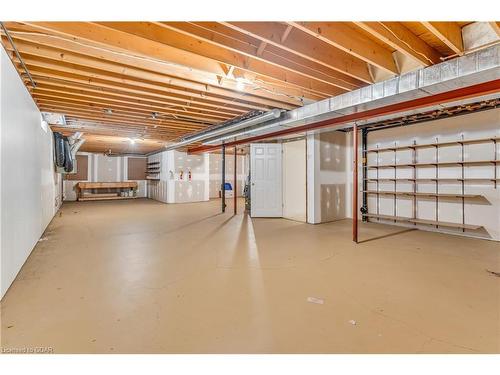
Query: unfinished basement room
pixel 250 187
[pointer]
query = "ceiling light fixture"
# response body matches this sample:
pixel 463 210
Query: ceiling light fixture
pixel 108 111
pixel 240 86
pixel 154 115
pixel 241 82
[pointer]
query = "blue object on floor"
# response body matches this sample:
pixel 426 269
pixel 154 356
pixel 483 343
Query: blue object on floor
pixel 227 186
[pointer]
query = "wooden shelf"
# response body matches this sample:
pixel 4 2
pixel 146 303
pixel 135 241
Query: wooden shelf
pixel 446 224
pixel 419 194
pixel 103 198
pixel 414 180
pixel 387 217
pixel 467 162
pixel 427 145
pixel 153 162
pixel 99 195
pixel 107 185
pixel 424 221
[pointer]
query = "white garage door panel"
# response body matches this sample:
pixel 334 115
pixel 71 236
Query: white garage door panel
pixel 266 176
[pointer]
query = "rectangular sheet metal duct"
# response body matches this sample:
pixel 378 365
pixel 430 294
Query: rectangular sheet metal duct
pixel 478 67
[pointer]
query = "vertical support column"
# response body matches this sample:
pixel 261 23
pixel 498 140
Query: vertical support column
pixel 355 187
pixel 223 191
pixel 235 195
pixel 437 181
pixel 395 181
pixel 415 179
pixel 495 176
pixel 364 141
pixel 462 146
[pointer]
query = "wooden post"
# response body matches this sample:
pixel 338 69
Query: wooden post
pixel 355 184
pixel 235 197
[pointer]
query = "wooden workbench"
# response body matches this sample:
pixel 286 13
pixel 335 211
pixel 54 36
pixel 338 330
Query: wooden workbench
pixel 108 186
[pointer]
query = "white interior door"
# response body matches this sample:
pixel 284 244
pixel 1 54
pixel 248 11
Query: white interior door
pixel 266 180
pixel 294 180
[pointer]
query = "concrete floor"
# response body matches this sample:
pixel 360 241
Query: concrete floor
pixel 145 277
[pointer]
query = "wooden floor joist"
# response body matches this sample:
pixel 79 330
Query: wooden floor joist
pixel 196 74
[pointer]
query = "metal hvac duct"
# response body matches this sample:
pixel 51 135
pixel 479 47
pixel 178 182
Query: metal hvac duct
pixel 474 68
pixel 219 131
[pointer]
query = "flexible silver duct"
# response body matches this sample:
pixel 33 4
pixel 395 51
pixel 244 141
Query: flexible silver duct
pixel 268 116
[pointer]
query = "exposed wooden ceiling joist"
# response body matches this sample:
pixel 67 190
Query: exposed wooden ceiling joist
pixel 496 27
pixel 450 33
pixel 72 49
pixel 95 68
pixel 158 81
pixel 306 46
pixel 396 35
pixel 113 106
pixel 225 37
pixel 156 32
pixel 343 37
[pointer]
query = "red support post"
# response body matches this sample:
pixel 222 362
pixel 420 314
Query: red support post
pixel 235 195
pixel 355 184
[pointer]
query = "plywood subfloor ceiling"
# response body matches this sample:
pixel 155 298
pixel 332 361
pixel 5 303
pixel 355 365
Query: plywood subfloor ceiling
pixel 154 82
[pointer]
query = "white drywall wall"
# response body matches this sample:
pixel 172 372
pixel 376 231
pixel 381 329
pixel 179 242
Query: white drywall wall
pixel 28 184
pixel 216 172
pixel 102 168
pixel 323 148
pixel 328 173
pixel 175 185
pixel 157 190
pixel 484 211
